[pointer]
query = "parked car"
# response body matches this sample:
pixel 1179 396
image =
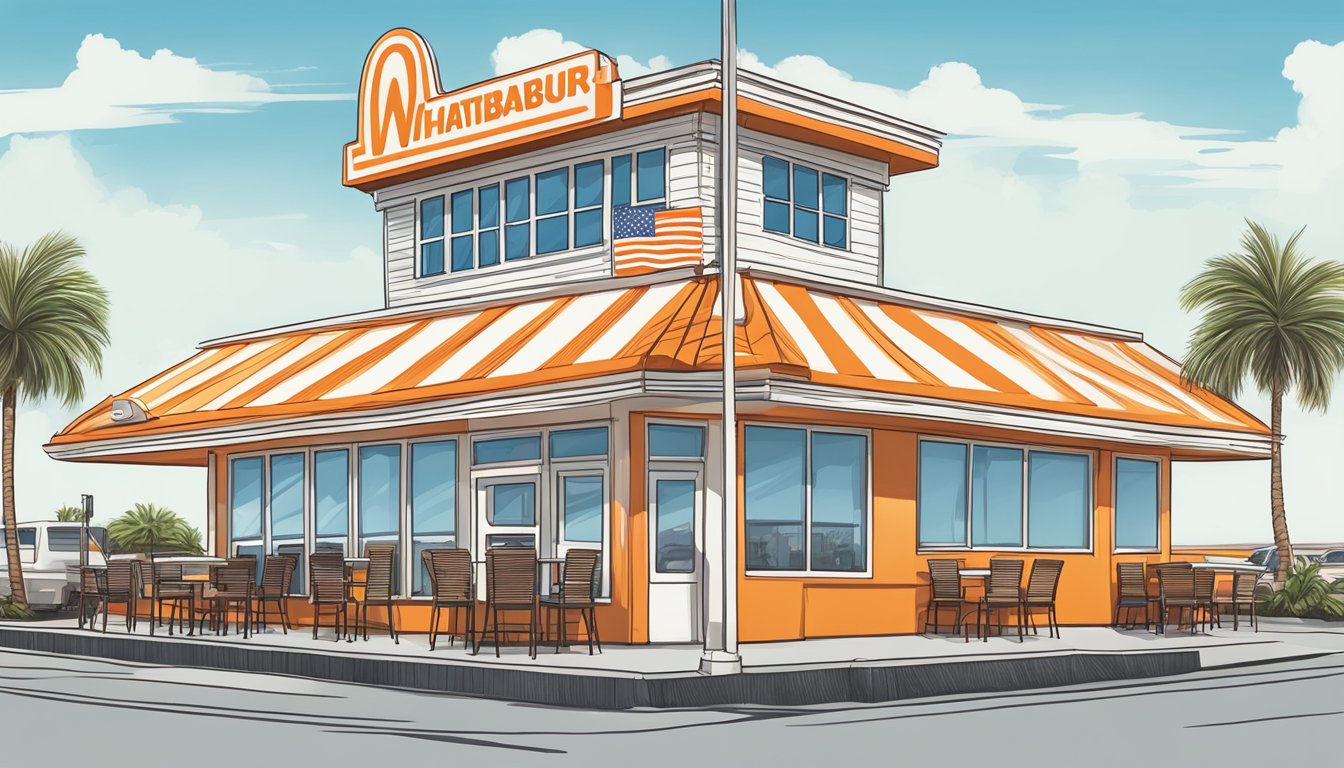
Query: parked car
pixel 1331 562
pixel 50 555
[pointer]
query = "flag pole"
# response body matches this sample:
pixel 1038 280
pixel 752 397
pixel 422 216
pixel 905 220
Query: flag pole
pixel 720 654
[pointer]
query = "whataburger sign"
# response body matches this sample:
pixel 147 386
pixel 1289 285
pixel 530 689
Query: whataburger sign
pixel 406 122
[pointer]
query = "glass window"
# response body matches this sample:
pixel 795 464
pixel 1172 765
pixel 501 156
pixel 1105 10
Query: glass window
pixel 62 539
pixel 433 490
pixel 245 498
pixel 286 497
pixel 676 441
pixel 581 497
pixel 674 545
pixel 379 490
pixel 996 496
pixel 331 492
pixel 431 236
pixel 518 206
pixel 588 204
pixel 620 180
pixel 942 493
pixel 1136 503
pixel 775 496
pixel 1058 500
pixel 462 212
pixel 552 191
pixel 506 449
pixel 569 443
pixel 651 171
pixel 804 202
pixel 839 539
pixel 776 178
pixel 487 240
pixel 513 504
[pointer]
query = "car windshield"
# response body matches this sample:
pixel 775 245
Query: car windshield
pixel 1333 557
pixel 1258 556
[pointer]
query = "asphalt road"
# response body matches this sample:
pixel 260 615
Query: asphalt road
pixel 58 710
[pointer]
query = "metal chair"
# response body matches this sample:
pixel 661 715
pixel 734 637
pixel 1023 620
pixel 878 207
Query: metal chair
pixel 276 577
pixel 1204 588
pixel 510 585
pixel 326 580
pixel 1003 591
pixel 378 588
pixel 168 588
pixel 1132 593
pixel 576 592
pixel 1243 596
pixel 1042 586
pixel 233 584
pixel 946 591
pixel 451 585
pixel 1175 589
pixel 105 586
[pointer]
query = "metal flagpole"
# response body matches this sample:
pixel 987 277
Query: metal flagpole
pixel 720 652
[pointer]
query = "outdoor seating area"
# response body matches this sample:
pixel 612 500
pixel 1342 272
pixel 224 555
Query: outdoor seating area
pixel 1001 591
pixel 1189 591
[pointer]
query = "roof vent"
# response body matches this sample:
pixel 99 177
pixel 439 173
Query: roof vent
pixel 129 411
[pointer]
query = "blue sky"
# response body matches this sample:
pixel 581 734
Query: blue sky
pixel 1111 180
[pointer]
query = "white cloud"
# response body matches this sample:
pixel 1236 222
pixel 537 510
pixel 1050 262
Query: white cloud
pixel 538 46
pixel 113 87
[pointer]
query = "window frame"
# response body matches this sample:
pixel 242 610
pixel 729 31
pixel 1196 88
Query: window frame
pixel 820 210
pixel 1115 507
pixel 1027 450
pixel 809 572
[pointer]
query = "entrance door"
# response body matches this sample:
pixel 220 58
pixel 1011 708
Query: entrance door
pixel 676 552
pixel 507 514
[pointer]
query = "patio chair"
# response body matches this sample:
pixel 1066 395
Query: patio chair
pixel 1204 588
pixel 105 586
pixel 1002 592
pixel 1175 589
pixel 233 586
pixel 276 577
pixel 326 587
pixel 1131 593
pixel 1243 596
pixel 946 591
pixel 576 592
pixel 510 585
pixel 378 588
pixel 168 588
pixel 450 583
pixel 1042 586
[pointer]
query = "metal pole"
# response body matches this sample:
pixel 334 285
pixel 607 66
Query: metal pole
pixel 86 513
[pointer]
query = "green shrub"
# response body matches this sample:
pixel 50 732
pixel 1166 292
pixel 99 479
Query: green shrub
pixel 1306 594
pixel 12 610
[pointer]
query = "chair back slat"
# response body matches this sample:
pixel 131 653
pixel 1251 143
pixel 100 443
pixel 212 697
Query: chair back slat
pixel 1132 581
pixel 1204 582
pixel 120 577
pixel 236 577
pixel 945 579
pixel 1243 585
pixel 326 575
pixel 580 574
pixel 277 574
pixel 449 573
pixel 1176 581
pixel 511 575
pixel 382 558
pixel 1043 582
pixel 1005 578
pixel 92 581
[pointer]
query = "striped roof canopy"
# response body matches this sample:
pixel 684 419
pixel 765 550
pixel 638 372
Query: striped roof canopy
pixel 859 341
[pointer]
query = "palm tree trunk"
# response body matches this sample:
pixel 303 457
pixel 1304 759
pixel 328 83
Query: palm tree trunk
pixel 1277 514
pixel 7 492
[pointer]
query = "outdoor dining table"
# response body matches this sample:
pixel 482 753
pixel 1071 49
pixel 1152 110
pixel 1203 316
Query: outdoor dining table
pixel 198 577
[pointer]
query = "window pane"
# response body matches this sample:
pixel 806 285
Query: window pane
pixel 434 487
pixel 588 227
pixel 1057 500
pixel 834 234
pixel 650 165
pixel 590 441
pixel 996 496
pixel 839 502
pixel 804 187
pixel 287 495
pixel 501 449
pixel 517 241
pixel 463 258
pixel 245 498
pixel 462 211
pixel 552 234
pixel 489 248
pixel 62 539
pixel 331 488
pixel 834 194
pixel 775 487
pixel 620 180
pixel 676 441
pixel 582 499
pixel 431 258
pixel 431 218
pixel 553 191
pixel 379 489
pixel 674 546
pixel 805 224
pixel 1136 495
pixel 514 504
pixel 942 493
pixel 518 206
pixel 776 216
pixel 489 206
pixel 776 178
pixel 588 184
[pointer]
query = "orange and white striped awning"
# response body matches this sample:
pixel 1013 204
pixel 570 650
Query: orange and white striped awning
pixel 853 341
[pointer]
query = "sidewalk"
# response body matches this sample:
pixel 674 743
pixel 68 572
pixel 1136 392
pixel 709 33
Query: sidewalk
pixel 866 669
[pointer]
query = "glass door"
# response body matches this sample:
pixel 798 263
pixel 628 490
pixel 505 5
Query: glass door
pixel 507 512
pixel 581 517
pixel 676 544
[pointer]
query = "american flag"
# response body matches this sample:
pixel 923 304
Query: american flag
pixel 647 238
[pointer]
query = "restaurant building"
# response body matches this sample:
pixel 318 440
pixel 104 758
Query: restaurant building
pixel 546 371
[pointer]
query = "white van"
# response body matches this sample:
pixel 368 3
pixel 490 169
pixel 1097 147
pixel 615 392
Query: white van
pixel 50 555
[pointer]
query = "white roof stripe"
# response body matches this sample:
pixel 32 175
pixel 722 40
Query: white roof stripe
pixel 401 359
pixel 929 358
pixel 201 359
pixel 572 320
pixel 241 356
pixel 635 319
pixel 1072 373
pixel 878 362
pixel 1000 360
pixel 1110 382
pixel 796 328
pixel 305 348
pixel 320 369
pixel 485 342
pixel 1162 360
pixel 1107 351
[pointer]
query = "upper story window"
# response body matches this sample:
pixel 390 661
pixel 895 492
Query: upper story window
pixel 809 204
pixel 639 179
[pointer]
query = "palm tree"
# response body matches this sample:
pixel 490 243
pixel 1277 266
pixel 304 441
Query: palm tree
pixel 1271 315
pixel 53 326
pixel 148 526
pixel 69 514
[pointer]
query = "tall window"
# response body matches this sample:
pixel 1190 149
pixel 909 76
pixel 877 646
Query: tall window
pixel 806 500
pixel 431 236
pixel 433 503
pixel 1137 495
pixel 331 499
pixel 245 505
pixel 639 179
pixel 285 507
pixel 991 496
pixel 380 499
pixel 809 204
